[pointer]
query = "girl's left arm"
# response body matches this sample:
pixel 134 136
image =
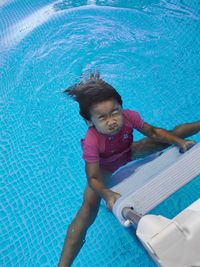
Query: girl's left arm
pixel 164 136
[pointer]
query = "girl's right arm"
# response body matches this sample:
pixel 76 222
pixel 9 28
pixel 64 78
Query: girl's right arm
pixel 95 181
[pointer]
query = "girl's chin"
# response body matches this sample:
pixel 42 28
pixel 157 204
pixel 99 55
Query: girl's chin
pixel 110 132
pixel 115 131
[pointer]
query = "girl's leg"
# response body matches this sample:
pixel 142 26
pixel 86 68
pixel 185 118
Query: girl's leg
pixel 77 230
pixel 147 146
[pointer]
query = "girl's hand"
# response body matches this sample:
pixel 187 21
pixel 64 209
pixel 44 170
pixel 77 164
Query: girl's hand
pixel 111 198
pixel 186 145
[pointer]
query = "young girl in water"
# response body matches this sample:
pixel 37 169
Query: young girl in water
pixel 107 146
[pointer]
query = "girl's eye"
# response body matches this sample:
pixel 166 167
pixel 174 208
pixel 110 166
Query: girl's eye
pixel 115 112
pixel 102 118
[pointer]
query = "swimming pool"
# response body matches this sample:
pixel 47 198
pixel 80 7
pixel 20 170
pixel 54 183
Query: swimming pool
pixel 149 50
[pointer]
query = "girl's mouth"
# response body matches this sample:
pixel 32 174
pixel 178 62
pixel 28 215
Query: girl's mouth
pixel 113 130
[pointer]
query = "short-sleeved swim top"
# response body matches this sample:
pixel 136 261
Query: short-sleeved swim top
pixel 111 151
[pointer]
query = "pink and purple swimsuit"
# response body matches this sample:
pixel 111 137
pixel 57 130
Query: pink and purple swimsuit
pixel 112 151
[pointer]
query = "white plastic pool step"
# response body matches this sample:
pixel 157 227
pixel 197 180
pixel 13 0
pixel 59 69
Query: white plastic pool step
pixel 153 182
pixel 173 243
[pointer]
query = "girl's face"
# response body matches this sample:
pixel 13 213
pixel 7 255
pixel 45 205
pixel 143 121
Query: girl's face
pixel 107 117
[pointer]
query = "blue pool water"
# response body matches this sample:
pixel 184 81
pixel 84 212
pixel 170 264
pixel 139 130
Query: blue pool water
pixel 149 50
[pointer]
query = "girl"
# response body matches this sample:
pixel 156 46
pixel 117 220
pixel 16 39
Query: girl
pixel 107 146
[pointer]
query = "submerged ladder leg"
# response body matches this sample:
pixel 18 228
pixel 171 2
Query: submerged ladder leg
pixel 131 216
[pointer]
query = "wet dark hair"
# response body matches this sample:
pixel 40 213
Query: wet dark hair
pixel 90 91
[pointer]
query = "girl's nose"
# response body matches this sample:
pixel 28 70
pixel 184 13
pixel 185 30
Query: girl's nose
pixel 111 122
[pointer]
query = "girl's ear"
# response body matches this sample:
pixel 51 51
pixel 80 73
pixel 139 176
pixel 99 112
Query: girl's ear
pixel 89 123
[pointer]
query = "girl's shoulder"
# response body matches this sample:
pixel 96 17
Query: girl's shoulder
pixel 92 134
pixel 134 118
pixel 129 113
